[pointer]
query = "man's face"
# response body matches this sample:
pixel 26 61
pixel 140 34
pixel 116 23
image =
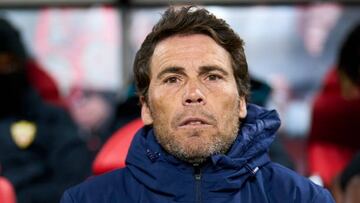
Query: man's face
pixel 193 101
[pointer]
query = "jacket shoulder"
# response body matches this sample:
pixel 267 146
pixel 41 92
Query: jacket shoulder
pixel 102 188
pixel 284 183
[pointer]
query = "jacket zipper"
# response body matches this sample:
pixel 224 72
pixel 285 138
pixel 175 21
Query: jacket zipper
pixel 197 176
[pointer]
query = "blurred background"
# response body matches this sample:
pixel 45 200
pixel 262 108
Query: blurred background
pixel 87 48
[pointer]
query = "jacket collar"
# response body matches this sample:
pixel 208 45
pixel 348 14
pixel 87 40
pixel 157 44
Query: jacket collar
pixel 157 169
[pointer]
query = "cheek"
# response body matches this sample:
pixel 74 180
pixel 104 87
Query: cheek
pixel 162 104
pixel 225 106
pixel 225 99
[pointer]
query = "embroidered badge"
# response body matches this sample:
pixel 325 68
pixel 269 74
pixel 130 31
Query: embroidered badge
pixel 23 133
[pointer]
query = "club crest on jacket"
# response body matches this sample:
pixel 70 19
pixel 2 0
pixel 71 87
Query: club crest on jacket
pixel 23 133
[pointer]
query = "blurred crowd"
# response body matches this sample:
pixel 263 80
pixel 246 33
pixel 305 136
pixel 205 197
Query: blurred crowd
pixel 49 143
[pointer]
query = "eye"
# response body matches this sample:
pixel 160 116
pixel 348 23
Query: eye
pixel 214 77
pixel 171 80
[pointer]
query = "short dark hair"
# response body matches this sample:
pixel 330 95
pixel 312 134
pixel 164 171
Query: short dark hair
pixel 186 21
pixel 349 57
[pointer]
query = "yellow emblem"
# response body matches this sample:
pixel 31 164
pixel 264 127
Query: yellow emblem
pixel 23 133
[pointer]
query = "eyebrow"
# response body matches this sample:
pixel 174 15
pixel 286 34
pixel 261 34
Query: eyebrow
pixel 207 69
pixel 181 71
pixel 174 69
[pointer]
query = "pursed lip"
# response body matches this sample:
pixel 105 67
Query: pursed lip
pixel 194 122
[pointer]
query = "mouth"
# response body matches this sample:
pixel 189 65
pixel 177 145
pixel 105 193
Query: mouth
pixel 194 122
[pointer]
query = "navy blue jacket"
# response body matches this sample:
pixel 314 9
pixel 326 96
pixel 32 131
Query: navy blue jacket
pixel 244 174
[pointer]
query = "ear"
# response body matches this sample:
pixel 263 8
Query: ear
pixel 145 112
pixel 242 108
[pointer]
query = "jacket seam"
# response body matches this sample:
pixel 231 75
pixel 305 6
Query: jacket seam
pixel 72 199
pixel 315 196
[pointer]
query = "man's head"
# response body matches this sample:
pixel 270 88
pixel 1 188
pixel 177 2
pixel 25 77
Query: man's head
pixel 192 78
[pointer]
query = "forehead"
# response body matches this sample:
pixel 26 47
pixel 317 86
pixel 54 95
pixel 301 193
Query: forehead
pixel 189 51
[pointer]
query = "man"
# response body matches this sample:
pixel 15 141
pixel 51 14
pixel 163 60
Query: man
pixel 192 78
pixel 332 141
pixel 41 153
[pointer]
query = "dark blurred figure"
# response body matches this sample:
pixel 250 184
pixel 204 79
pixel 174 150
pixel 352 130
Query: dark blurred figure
pixel 335 131
pixel 347 185
pixel 93 112
pixel 127 110
pixel 40 151
pixel 350 181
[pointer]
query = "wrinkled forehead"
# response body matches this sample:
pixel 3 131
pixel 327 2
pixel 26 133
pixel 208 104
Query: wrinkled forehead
pixel 189 51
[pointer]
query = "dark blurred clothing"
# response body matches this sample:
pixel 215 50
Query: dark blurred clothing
pixel 260 92
pixel 351 170
pixel 40 151
pixel 127 111
pixel 346 187
pixel 12 87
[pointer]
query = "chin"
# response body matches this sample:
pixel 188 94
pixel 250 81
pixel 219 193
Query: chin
pixel 197 145
pixel 192 145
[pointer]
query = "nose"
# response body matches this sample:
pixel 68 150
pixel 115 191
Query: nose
pixel 193 95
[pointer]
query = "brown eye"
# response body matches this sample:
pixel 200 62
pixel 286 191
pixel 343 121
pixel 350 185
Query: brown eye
pixel 214 77
pixel 171 80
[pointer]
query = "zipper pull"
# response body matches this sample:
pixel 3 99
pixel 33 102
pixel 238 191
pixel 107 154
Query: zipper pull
pixel 197 175
pixel 197 171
